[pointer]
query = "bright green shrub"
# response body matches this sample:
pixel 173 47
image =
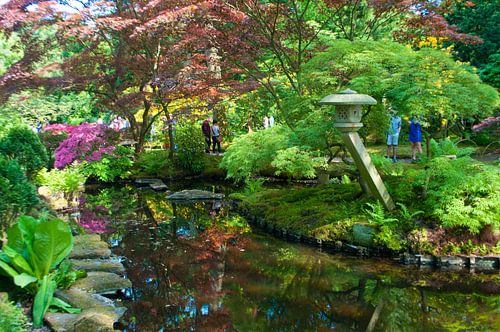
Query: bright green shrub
pixel 116 164
pixel 17 194
pixel 23 145
pixel 12 318
pixel 254 152
pixel 191 148
pixel 459 193
pixel 154 163
pixel 67 181
pixel 295 163
pixel 447 147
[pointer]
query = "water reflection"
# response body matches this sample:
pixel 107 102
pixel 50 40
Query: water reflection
pixel 194 268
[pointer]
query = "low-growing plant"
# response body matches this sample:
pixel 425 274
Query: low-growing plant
pixel 388 234
pixel 12 318
pixel 31 257
pixel 191 148
pixel 67 181
pixel 447 147
pixel 253 185
pixel 23 145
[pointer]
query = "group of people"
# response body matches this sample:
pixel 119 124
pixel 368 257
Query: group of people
pixel 268 121
pixel 117 123
pixel 212 135
pixel 415 136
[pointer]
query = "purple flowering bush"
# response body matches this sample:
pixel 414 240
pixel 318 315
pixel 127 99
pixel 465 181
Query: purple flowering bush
pixel 87 142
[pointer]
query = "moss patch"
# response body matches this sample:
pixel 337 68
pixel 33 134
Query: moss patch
pixel 325 212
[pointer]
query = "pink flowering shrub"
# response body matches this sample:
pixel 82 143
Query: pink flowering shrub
pixel 87 142
pixel 96 220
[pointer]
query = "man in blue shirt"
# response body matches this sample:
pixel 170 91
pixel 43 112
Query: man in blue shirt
pixel 393 133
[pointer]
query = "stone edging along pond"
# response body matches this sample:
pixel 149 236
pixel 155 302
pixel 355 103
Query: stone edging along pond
pixel 474 263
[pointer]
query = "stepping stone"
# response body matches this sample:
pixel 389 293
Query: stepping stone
pixel 88 320
pixel 89 248
pixel 84 300
pixel 191 195
pixel 79 239
pixel 159 185
pixel 102 283
pixel 103 265
pixel 146 181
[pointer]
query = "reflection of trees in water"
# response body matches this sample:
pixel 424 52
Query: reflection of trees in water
pixel 188 273
pixel 177 278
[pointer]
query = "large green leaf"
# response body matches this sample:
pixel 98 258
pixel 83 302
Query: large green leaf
pixel 6 269
pixel 17 261
pixel 53 241
pixel 23 280
pixel 43 299
pixel 21 234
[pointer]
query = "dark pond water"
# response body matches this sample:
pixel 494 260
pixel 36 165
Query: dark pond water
pixel 199 267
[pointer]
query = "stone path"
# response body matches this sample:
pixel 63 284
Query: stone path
pixel 104 276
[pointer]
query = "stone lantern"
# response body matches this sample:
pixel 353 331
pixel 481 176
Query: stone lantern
pixel 348 113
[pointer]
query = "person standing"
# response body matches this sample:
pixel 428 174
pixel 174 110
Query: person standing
pixel 205 128
pixel 215 131
pixel 393 134
pixel 271 121
pixel 415 137
pixel 266 122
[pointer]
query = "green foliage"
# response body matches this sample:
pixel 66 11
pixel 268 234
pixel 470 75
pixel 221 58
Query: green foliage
pixel 326 212
pixel 10 52
pixel 51 141
pixel 118 164
pixel 12 318
pixel 34 249
pixel 17 194
pixel 67 181
pixel 447 147
pixel 458 193
pixel 253 186
pixel 191 148
pixel 388 234
pixel 254 152
pixel 23 145
pixel 480 19
pixel 294 163
pixel 154 163
pixel 43 106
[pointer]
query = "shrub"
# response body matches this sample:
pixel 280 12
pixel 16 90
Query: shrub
pixel 295 163
pixel 459 193
pixel 23 145
pixel 116 164
pixel 191 148
pixel 254 152
pixel 12 318
pixel 153 162
pixel 67 181
pixel 17 195
pixel 447 147
pixel 87 142
pixel 51 141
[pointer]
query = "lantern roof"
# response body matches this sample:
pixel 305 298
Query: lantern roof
pixel 348 97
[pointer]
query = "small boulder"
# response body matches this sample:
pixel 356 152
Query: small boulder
pixel 195 195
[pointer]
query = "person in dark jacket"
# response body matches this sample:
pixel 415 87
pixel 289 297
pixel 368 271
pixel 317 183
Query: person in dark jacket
pixel 205 128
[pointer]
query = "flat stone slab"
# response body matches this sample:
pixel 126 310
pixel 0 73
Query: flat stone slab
pixel 100 320
pixel 195 195
pixel 84 300
pixel 84 238
pixel 158 185
pixel 102 283
pixel 89 248
pixel 102 265
pixel 147 181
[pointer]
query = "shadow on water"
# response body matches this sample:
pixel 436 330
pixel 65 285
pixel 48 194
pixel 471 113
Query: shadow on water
pixel 199 267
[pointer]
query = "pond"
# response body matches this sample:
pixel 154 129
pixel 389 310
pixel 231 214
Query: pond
pixel 200 267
